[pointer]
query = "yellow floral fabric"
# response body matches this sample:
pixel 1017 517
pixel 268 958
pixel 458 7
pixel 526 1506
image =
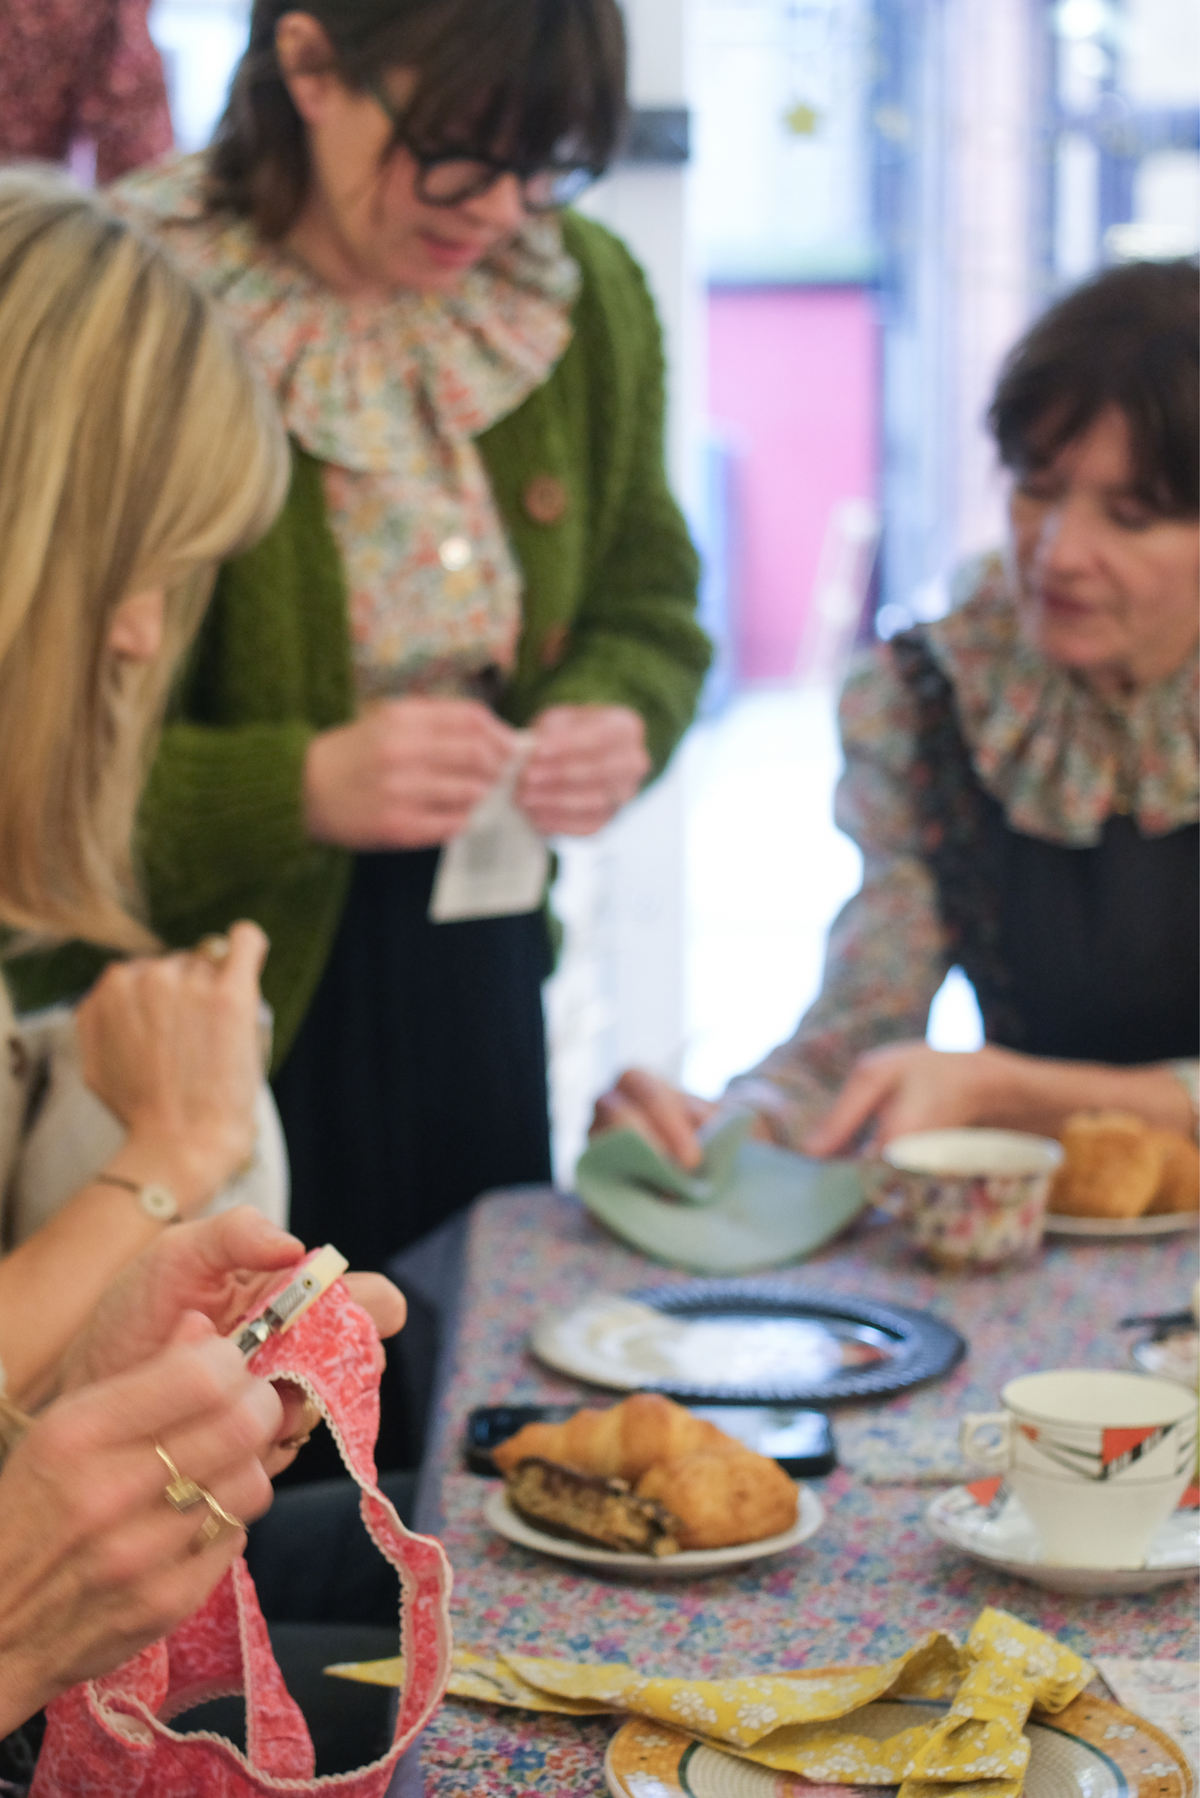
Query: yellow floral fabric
pixel 804 1721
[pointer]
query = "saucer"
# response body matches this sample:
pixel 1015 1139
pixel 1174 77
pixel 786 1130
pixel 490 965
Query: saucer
pixel 991 1525
pixel 688 1564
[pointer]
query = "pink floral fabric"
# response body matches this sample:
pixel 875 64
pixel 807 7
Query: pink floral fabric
pixel 70 71
pixel 1057 757
pixel 113 1735
pixel 390 397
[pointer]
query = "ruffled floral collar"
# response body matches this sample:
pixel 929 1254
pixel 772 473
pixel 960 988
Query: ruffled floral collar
pixel 1058 757
pixel 354 379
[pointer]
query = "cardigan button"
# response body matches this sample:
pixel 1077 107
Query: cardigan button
pixel 553 645
pixel 454 554
pixel 545 499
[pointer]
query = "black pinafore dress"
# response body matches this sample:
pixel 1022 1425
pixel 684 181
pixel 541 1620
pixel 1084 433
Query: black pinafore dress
pixel 1086 954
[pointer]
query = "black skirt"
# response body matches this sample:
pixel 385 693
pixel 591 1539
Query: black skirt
pixel 418 1078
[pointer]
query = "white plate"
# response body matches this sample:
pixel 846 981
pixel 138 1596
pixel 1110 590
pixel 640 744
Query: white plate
pixel 686 1565
pixel 1164 1223
pixel 1001 1535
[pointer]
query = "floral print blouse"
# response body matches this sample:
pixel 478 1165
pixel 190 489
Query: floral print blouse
pixel 390 397
pixel 1057 757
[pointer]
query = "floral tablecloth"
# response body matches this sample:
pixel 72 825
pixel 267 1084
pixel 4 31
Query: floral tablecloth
pixel 865 1586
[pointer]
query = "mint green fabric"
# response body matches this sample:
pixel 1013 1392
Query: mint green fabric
pixel 608 617
pixel 749 1205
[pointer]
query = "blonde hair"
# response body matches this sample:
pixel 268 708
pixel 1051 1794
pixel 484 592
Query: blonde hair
pixel 137 450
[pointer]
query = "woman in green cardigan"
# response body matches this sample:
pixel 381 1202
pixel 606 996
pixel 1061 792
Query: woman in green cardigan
pixel 479 538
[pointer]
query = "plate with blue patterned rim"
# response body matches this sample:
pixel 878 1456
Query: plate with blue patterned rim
pixel 749 1342
pixel 1092 1749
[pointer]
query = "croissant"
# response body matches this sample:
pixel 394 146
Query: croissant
pixel 1111 1168
pixel 718 1491
pixel 1179 1185
pixel 719 1498
pixel 620 1443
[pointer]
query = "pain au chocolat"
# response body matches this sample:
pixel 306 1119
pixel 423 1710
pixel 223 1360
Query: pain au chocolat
pixel 713 1491
pixel 588 1508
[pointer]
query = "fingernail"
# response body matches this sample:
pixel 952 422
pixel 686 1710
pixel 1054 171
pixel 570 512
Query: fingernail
pixel 224 1358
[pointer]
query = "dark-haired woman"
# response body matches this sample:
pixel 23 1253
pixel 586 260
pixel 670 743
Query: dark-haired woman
pixel 1022 779
pixel 479 536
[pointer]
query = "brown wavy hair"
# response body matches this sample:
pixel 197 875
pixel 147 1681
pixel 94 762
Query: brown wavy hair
pixel 1130 338
pixel 530 80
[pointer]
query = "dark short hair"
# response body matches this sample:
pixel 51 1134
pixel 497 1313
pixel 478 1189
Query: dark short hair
pixel 1130 337
pixel 530 80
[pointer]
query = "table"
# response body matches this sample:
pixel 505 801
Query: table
pixel 867 1585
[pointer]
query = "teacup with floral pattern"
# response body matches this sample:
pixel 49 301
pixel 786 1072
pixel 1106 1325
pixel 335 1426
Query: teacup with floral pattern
pixel 973 1199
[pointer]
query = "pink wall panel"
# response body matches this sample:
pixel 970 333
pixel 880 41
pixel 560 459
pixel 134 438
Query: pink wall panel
pixel 794 386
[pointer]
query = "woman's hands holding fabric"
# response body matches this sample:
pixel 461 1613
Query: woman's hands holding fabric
pixel 171 1045
pixel 219 1268
pixel 669 1119
pixel 587 761
pixel 405 775
pixel 94 1562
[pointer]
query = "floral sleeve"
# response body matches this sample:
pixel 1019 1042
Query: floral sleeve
pixel 887 954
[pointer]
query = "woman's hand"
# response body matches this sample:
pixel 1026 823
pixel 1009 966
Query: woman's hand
pixel 219 1267
pixel 171 1045
pixel 587 761
pixel 668 1118
pixel 94 1562
pixel 910 1086
pixel 405 775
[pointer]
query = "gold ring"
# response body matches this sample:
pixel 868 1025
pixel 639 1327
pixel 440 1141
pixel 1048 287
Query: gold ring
pixel 215 949
pixel 310 1416
pixel 184 1494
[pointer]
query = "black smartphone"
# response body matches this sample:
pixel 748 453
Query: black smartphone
pixel 801 1441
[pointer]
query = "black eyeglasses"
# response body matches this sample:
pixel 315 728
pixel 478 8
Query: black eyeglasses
pixel 449 177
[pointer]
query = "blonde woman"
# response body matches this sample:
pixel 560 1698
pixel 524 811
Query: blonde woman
pixel 135 451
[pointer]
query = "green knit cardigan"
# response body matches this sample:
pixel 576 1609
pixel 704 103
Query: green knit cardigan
pixel 608 617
